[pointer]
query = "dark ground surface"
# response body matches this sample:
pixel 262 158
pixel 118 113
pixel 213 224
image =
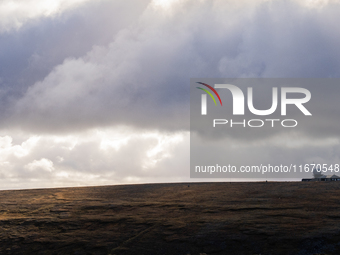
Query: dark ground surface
pixel 202 218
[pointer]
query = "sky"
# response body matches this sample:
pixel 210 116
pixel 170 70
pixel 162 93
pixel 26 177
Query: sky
pixel 97 92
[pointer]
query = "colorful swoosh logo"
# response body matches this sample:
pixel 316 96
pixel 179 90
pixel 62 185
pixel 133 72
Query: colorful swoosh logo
pixel 208 92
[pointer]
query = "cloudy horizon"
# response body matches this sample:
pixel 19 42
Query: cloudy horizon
pixel 97 92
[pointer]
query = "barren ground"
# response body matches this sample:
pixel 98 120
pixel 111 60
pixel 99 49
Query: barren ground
pixel 202 218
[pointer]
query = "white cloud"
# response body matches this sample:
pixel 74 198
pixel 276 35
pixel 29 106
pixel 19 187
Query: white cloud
pixel 42 164
pixel 317 3
pixel 14 13
pixel 163 3
pixel 7 148
pixel 90 158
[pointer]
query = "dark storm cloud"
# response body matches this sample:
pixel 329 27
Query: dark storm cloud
pixel 142 77
pixel 30 53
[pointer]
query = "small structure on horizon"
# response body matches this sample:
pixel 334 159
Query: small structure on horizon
pixel 318 176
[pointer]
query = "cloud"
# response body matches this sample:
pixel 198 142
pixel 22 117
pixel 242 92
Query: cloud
pixel 14 13
pixel 142 77
pixel 30 53
pixel 42 164
pixel 94 157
